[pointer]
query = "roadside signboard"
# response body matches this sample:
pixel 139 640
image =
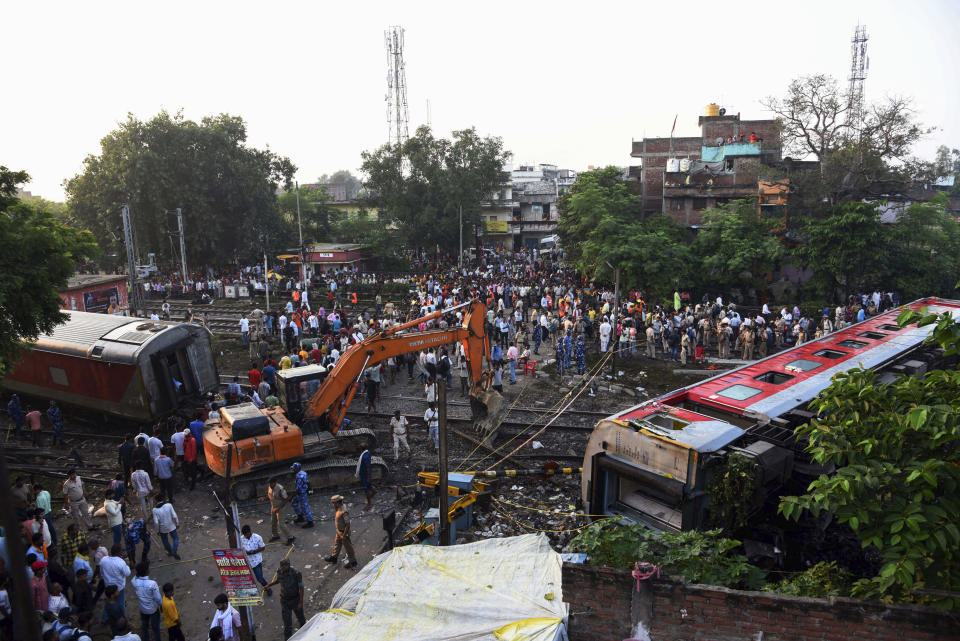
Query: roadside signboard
pixel 238 580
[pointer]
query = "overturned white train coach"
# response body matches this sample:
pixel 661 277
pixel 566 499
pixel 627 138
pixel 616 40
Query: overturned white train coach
pixel 131 368
pixel 653 463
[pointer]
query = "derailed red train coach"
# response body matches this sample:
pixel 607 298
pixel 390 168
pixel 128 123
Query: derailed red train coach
pixel 130 368
pixel 654 462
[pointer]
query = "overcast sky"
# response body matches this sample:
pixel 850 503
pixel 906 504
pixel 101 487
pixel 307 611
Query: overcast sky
pixel 570 83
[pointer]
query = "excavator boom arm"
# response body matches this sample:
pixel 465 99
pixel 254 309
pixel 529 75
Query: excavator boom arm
pixel 337 390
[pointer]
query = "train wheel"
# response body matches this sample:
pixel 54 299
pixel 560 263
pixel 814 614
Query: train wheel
pixel 244 490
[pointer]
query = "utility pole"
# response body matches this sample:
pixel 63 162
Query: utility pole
pixel 613 318
pixel 266 280
pixel 460 263
pixel 444 533
pixel 128 240
pixel 303 265
pixel 183 250
pixel 231 516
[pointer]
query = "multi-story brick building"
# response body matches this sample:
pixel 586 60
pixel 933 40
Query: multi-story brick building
pixel 684 176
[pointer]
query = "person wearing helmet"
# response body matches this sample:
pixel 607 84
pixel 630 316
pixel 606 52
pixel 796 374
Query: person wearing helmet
pixel 300 504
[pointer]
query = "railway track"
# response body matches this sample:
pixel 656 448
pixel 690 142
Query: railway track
pixel 466 419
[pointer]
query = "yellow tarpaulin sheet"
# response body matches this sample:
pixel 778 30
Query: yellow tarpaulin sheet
pixel 495 590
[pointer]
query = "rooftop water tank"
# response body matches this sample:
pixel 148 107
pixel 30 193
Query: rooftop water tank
pixel 713 109
pixel 684 164
pixel 673 165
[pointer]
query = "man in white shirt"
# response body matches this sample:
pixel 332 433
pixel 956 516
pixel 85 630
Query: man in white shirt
pixel 244 329
pixel 140 482
pixel 166 520
pixel 155 446
pixel 114 571
pixel 253 545
pixel 177 440
pixel 149 599
pixel 605 329
pixel 398 425
pixel 432 418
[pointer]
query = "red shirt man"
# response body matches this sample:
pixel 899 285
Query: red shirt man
pixel 189 448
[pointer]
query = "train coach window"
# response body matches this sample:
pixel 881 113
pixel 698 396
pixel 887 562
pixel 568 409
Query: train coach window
pixel 830 353
pixel 872 335
pixel 739 392
pixel 801 365
pixel 852 344
pixel 891 328
pixel 774 378
pixel 59 376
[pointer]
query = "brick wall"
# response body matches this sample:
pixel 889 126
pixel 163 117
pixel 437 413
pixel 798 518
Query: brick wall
pixel 604 606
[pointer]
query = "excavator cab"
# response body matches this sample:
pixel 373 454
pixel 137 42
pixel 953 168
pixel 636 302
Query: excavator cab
pixel 296 386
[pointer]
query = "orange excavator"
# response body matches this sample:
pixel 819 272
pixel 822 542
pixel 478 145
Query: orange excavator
pixel 307 425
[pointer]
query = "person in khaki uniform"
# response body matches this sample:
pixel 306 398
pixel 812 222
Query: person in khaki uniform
pixel 342 523
pixel 76 501
pixel 278 500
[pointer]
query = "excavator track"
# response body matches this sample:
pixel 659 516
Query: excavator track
pixel 330 472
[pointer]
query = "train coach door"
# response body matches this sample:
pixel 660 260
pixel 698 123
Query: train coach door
pixel 175 377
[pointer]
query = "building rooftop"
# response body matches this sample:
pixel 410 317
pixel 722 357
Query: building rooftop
pixel 80 281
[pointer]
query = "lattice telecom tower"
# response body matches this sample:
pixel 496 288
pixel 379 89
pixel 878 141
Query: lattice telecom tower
pixel 397 115
pixel 859 65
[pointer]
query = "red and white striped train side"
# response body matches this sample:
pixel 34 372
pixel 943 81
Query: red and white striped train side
pixel 654 461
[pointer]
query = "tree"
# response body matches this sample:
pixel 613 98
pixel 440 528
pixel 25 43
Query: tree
pixel 316 215
pixel 37 255
pixel 225 188
pixel 422 184
pixel 812 116
pixel 345 177
pixel 845 250
pixel 896 448
pixel 600 226
pixel 922 255
pixel 734 245
pixel 856 159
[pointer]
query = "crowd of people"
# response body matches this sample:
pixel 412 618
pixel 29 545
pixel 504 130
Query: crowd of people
pixel 536 310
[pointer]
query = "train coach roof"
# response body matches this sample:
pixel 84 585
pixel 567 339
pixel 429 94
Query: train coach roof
pixel 84 328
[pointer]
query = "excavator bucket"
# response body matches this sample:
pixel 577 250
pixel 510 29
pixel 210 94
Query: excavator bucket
pixel 488 412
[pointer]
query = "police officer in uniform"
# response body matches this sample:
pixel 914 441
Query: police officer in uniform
pixel 291 596
pixel 341 521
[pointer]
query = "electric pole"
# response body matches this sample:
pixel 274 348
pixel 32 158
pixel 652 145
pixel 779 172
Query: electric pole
pixel 444 533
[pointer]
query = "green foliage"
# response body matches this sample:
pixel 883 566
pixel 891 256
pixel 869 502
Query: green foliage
pixel 824 580
pixel 316 215
pixel 853 265
pixel 896 448
pixel 37 255
pixel 734 246
pixel 732 491
pixel 923 252
pixel 422 184
pixel 600 226
pixel 225 188
pixel 699 557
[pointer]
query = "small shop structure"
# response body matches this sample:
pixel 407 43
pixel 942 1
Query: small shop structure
pixel 328 257
pixel 97 293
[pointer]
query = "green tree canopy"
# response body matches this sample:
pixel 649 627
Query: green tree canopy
pixel 225 188
pixel 734 246
pixel 37 255
pixel 845 250
pixel 600 226
pixel 896 448
pixel 421 184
